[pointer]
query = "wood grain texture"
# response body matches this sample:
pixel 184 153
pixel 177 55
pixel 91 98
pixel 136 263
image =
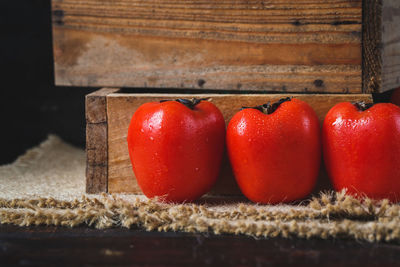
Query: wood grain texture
pixel 391 45
pixel 381 45
pixel 95 105
pixel 96 158
pixel 49 246
pixel 96 141
pixel 372 58
pixel 277 45
pixel 120 108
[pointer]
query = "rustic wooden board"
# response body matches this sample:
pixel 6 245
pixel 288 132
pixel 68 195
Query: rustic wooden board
pixel 96 141
pixel 276 45
pixel 391 45
pixel 49 245
pixel 381 45
pixel 120 108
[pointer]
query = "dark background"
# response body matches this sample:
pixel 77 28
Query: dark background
pixel 32 107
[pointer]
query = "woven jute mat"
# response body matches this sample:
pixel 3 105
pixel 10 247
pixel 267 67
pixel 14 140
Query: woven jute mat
pixel 46 186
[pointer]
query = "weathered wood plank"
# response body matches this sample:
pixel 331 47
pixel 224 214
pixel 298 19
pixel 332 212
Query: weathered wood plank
pixel 96 158
pixel 120 108
pixel 381 45
pixel 279 45
pixel 98 179
pixel 391 45
pixel 95 105
pixel 372 61
pixel 96 141
pixel 96 148
pixel 120 246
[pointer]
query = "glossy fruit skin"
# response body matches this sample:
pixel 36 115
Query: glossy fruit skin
pixel 362 149
pixel 176 151
pixel 276 157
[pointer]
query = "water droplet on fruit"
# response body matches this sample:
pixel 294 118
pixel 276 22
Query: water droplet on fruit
pixel 241 127
pixel 151 138
pixel 196 169
pixel 142 130
pixel 249 140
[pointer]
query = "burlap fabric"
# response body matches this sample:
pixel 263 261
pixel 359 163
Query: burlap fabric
pixel 46 187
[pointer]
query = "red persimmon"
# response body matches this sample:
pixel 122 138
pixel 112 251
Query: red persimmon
pixel 176 148
pixel 361 144
pixel 275 150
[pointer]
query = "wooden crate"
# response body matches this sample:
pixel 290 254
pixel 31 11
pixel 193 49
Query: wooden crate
pixel 335 46
pixel 108 113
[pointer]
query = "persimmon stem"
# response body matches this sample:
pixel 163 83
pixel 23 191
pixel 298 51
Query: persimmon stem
pixel 190 103
pixel 362 106
pixel 269 108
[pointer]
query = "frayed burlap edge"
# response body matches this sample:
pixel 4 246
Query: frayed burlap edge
pixel 331 215
pixel 41 187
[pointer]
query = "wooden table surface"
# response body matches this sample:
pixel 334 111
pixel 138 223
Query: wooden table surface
pixel 39 246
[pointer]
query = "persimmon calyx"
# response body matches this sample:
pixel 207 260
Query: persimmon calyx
pixel 190 103
pixel 362 106
pixel 269 108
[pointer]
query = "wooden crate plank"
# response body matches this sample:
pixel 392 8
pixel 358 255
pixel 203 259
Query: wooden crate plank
pixel 390 45
pixel 372 62
pixel 96 158
pixel 120 108
pixel 97 182
pixel 96 141
pixel 95 105
pixel 235 45
pixel 381 45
